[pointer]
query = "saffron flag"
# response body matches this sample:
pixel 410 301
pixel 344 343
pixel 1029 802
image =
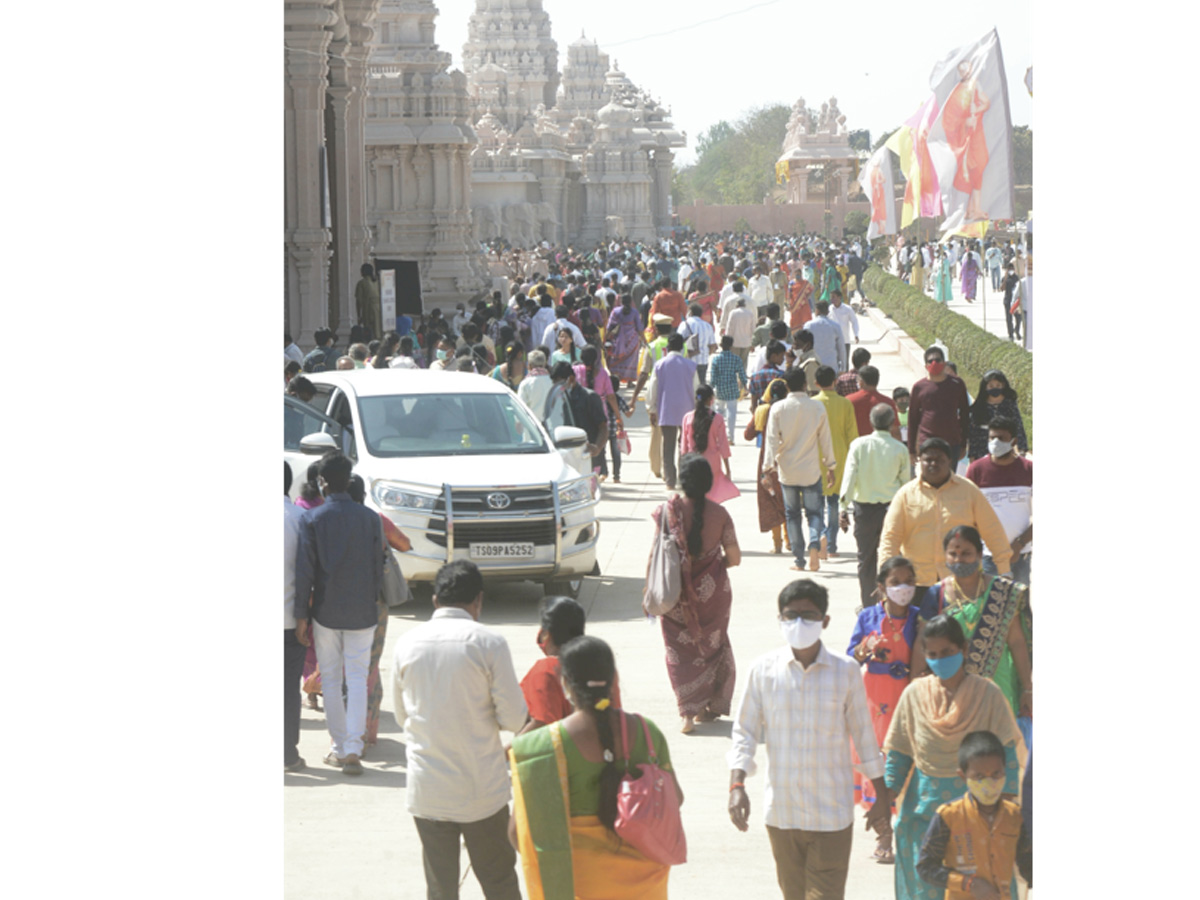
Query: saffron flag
pixel 921 195
pixel 970 140
pixel 876 181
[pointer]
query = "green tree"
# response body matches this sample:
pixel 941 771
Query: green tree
pixel 1022 150
pixel 860 139
pixel 736 163
pixel 883 139
pixel 857 222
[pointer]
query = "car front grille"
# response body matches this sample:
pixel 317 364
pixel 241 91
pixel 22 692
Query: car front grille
pixel 538 531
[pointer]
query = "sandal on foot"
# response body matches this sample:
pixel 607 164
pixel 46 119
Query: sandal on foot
pixel 884 856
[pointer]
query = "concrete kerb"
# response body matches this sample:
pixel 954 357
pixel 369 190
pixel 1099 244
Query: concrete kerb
pixel 894 338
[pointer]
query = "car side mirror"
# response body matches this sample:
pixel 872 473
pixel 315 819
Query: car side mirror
pixel 566 437
pixel 318 443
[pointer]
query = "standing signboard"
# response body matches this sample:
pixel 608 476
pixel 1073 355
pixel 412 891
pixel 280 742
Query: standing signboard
pixel 387 299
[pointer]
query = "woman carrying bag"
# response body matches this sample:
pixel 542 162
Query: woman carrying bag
pixel 568 817
pixel 696 629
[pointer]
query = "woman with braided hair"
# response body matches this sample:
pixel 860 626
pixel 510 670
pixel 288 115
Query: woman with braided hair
pixel 696 631
pixel 704 432
pixel 565 782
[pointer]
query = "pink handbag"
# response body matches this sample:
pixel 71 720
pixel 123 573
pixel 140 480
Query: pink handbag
pixel 648 807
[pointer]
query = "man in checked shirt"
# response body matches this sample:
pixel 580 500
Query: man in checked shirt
pixel 804 702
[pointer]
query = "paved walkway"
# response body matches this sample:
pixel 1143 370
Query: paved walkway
pixel 986 311
pixel 347 837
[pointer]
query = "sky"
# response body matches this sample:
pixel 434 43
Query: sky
pixel 709 62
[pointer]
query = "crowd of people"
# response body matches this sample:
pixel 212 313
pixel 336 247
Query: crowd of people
pixel 934 268
pixel 925 718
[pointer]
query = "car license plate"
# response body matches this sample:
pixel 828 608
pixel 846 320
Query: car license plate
pixel 502 551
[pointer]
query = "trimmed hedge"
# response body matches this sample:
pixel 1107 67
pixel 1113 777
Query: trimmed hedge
pixel 972 349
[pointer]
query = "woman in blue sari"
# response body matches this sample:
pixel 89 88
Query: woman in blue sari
pixel 933 716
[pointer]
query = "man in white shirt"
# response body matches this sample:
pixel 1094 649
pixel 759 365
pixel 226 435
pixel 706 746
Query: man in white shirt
pixel 799 444
pixel 535 386
pixel 685 272
pixel 562 323
pixel 842 313
pixel 728 302
pixel 293 651
pixel 806 704
pixel 739 325
pixel 454 690
pixel 460 318
pixel 291 351
pixel 700 339
pixel 761 292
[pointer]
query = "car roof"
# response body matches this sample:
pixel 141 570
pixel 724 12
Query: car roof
pixel 372 382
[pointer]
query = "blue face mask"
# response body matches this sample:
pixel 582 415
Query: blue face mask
pixel 947 666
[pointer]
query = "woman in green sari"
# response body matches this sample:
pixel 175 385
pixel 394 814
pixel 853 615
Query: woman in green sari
pixel 944 292
pixel 995 616
pixel 565 782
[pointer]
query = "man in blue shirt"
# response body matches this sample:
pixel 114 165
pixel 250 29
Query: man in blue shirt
pixel 727 375
pixel 827 338
pixel 340 566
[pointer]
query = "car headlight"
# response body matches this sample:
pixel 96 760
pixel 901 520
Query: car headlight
pixel 396 496
pixel 576 492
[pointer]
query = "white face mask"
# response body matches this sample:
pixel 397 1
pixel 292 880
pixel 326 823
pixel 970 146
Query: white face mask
pixel 997 447
pixel 901 594
pixel 801 634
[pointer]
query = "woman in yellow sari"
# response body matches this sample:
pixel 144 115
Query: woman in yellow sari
pixel 565 781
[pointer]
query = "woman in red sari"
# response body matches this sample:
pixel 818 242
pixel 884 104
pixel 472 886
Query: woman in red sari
pixel 799 302
pixel 882 643
pixel 696 631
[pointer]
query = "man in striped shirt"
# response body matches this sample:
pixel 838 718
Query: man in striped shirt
pixel 804 703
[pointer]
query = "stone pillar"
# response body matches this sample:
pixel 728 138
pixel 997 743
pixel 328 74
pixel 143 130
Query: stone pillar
pixel 552 193
pixel 306 42
pixel 662 188
pixel 356 145
pixel 801 176
pixel 341 166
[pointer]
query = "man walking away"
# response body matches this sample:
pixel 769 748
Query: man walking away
pixel 800 448
pixel 454 690
pixel 670 395
pixel 340 565
pixel 876 468
pixel 727 375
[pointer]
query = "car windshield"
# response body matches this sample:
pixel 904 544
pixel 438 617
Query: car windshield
pixel 448 425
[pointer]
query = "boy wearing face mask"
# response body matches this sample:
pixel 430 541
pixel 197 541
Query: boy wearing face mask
pixel 807 704
pixel 1006 479
pixel 973 842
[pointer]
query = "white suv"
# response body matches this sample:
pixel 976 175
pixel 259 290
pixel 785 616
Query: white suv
pixel 461 466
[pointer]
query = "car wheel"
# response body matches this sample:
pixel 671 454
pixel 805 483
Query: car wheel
pixel 566 587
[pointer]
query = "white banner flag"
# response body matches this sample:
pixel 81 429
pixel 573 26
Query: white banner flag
pixel 877 184
pixel 971 139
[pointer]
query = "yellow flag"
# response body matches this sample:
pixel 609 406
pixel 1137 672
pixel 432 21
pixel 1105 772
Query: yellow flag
pixel 781 172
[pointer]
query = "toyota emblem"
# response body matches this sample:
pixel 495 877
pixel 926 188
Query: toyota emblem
pixel 498 501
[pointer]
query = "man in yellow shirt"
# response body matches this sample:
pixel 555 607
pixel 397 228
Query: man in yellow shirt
pixel 843 428
pixel 925 509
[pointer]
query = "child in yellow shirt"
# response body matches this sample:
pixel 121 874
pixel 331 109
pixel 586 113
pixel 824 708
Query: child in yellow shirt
pixel 973 842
